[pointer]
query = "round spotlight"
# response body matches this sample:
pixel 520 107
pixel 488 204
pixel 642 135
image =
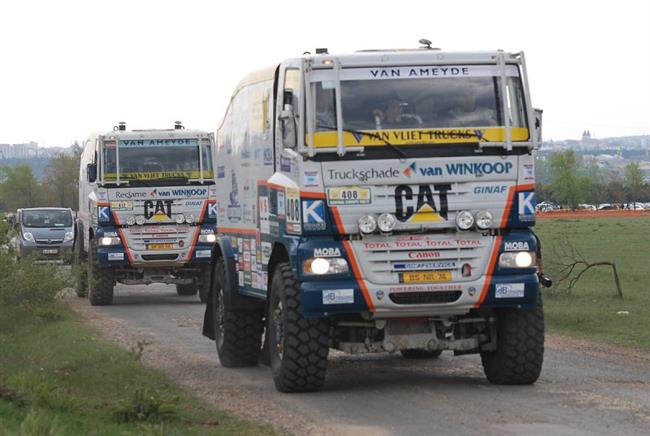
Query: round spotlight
pixel 386 222
pixel 367 224
pixel 179 218
pixel 320 265
pixel 130 220
pixel 189 219
pixel 483 219
pixel 464 220
pixel 139 220
pixel 523 259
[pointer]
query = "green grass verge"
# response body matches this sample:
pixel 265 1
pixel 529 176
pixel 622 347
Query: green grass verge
pixel 58 377
pixel 590 309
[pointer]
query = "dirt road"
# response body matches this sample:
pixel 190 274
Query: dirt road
pixel 584 389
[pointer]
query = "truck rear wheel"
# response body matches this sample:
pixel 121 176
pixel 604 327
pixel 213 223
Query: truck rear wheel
pixel 298 347
pixel 187 289
pixel 100 280
pixel 520 347
pixel 79 269
pixel 238 334
pixel 418 353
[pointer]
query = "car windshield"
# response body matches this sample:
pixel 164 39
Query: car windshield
pixel 154 160
pixel 430 101
pixel 46 218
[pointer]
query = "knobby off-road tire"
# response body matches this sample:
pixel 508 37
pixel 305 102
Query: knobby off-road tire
pixel 238 334
pixel 204 287
pixel 418 353
pixel 80 269
pixel 189 289
pixel 298 347
pixel 100 280
pixel 520 347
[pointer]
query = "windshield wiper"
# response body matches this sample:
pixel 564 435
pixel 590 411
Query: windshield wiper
pixel 397 150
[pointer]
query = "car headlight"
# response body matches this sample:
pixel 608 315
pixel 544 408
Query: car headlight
pixel 105 241
pixel 367 224
pixel 483 219
pixel 464 220
pixel 322 265
pixel 210 238
pixel 28 237
pixel 69 236
pixel 517 259
pixel 386 222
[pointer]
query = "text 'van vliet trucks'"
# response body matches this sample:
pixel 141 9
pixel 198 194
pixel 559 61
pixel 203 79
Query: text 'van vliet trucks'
pixel 379 201
pixel 146 211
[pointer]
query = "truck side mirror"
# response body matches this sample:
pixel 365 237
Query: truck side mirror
pixel 288 120
pixel 91 172
pixel 538 125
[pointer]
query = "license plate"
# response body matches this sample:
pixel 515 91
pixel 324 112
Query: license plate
pixel 50 251
pixel 161 246
pixel 348 195
pixel 426 277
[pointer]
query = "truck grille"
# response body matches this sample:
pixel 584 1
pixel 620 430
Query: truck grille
pixel 150 257
pixel 424 297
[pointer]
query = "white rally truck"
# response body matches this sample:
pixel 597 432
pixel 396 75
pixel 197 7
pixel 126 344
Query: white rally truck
pixel 380 201
pixel 146 211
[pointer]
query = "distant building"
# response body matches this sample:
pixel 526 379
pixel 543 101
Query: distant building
pixel 19 151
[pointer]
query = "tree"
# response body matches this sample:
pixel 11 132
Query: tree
pixel 19 188
pixel 61 180
pixel 633 181
pixel 568 186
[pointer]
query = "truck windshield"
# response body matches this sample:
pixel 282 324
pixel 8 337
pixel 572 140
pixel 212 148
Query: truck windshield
pixel 154 160
pixel 45 218
pixel 432 106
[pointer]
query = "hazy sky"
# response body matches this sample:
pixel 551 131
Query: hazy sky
pixel 68 68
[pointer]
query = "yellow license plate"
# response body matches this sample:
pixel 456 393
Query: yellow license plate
pixel 426 277
pixel 161 246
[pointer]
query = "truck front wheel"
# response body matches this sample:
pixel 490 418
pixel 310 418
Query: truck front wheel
pixel 100 280
pixel 520 347
pixel 298 347
pixel 238 334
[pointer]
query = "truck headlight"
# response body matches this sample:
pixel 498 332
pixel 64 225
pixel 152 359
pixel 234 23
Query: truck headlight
pixel 69 236
pixel 483 219
pixel 28 237
pixel 105 241
pixel 386 222
pixel 367 224
pixel 322 265
pixel 517 259
pixel 464 220
pixel 210 238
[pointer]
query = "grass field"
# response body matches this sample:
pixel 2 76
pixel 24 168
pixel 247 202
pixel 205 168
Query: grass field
pixel 591 309
pixel 57 377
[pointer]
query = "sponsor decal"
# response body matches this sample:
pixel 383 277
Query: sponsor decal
pixel 104 213
pixel 516 246
pixel 292 210
pixel 311 178
pixel 479 168
pixel 313 215
pixel 110 234
pixel 417 266
pixel 527 205
pixel 422 208
pixel 425 288
pixel 130 195
pixel 115 256
pixel 490 189
pixel 212 209
pixel 371 174
pixel 410 170
pixel 132 143
pixel 203 254
pixel 158 210
pixel 240 277
pixel 280 202
pixel 327 252
pixel 423 254
pixel 268 156
pixel 285 164
pixel 338 296
pixel 179 192
pixel 194 203
pixel 221 172
pixel 266 252
pixel 529 172
pixel 509 290
pixel 102 195
pixel 265 227
pixel 234 209
pixel 414 242
pixel 348 195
